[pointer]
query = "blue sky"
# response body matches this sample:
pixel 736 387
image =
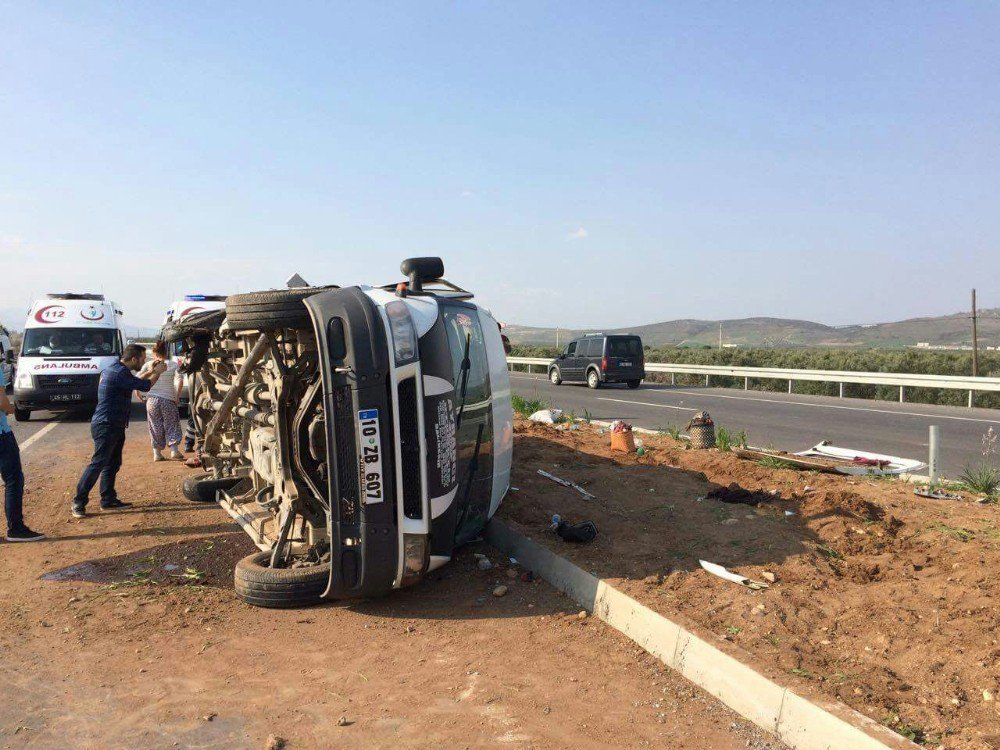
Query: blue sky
pixel 578 164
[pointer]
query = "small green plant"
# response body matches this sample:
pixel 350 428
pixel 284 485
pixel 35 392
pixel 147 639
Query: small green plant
pixel 962 535
pixel 526 407
pixel 829 552
pixel 983 479
pixel 726 440
pixel 773 462
pixel 910 732
pixel 673 431
pixel 723 439
pixel 733 630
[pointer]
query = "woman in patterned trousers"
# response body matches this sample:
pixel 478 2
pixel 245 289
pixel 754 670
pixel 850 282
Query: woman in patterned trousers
pixel 161 407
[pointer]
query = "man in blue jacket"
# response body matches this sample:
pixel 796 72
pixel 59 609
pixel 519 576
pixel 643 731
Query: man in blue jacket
pixel 13 475
pixel 107 427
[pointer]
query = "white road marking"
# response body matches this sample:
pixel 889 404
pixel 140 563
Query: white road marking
pixel 791 403
pixel 845 408
pixel 645 403
pixel 38 435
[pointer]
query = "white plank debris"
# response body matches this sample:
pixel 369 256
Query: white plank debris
pixel 727 575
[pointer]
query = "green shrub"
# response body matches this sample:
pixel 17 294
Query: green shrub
pixel 526 407
pixel 773 462
pixel 983 478
pixel 723 439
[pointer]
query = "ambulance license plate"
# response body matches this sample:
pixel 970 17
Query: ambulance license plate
pixel 371 456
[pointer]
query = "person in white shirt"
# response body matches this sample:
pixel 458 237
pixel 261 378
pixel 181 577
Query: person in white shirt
pixel 161 406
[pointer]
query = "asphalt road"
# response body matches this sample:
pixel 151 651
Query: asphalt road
pixel 786 422
pixel 72 427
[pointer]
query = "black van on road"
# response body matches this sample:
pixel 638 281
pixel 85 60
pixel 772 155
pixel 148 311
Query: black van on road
pixel 596 358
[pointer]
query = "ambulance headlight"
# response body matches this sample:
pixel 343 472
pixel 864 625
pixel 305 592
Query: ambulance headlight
pixel 23 380
pixel 404 334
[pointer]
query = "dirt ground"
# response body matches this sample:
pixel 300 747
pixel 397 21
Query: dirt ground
pixel 122 631
pixel 885 600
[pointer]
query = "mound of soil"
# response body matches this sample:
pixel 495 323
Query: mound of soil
pixel 884 600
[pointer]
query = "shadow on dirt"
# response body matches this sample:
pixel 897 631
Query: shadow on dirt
pixel 654 519
pixel 459 590
pixel 154 531
pixel 207 561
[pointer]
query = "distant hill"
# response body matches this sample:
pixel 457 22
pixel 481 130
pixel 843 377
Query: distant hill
pixel 946 330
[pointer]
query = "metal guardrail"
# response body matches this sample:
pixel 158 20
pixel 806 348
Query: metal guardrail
pixel 901 380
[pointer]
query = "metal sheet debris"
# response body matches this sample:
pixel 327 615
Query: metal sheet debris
pixel 566 483
pixel 862 463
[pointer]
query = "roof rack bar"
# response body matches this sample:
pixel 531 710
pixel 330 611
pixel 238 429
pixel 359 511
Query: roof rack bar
pixel 76 295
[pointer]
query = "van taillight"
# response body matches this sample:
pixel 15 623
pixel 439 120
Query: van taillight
pixel 604 363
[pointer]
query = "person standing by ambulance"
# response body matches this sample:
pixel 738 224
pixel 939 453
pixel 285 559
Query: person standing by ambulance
pixel 161 405
pixel 107 427
pixel 12 473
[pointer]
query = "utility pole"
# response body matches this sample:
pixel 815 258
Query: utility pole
pixel 975 339
pixel 720 336
pixel 557 338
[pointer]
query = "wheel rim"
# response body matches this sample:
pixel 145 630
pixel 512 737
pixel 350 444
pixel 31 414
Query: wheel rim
pixel 592 378
pixel 554 376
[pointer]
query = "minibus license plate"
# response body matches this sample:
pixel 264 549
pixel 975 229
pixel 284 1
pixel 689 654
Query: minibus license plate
pixel 66 397
pixel 370 471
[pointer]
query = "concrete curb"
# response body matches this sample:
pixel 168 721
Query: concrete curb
pixel 796 721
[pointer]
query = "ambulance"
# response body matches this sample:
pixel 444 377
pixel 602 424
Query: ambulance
pixel 69 340
pixel 192 303
pixel 6 356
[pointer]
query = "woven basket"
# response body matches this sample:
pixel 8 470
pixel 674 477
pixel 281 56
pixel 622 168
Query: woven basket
pixel 702 435
pixel 623 442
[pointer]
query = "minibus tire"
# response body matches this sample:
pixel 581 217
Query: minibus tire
pixel 633 383
pixel 202 489
pixel 22 415
pixel 272 309
pixel 279 588
pixel 201 323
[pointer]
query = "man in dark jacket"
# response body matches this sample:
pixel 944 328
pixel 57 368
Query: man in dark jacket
pixel 107 427
pixel 12 474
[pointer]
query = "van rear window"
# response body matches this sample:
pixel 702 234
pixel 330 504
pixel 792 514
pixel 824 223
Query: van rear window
pixel 624 347
pixel 70 342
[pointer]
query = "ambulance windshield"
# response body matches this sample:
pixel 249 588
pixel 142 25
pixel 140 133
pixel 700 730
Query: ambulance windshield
pixel 70 342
